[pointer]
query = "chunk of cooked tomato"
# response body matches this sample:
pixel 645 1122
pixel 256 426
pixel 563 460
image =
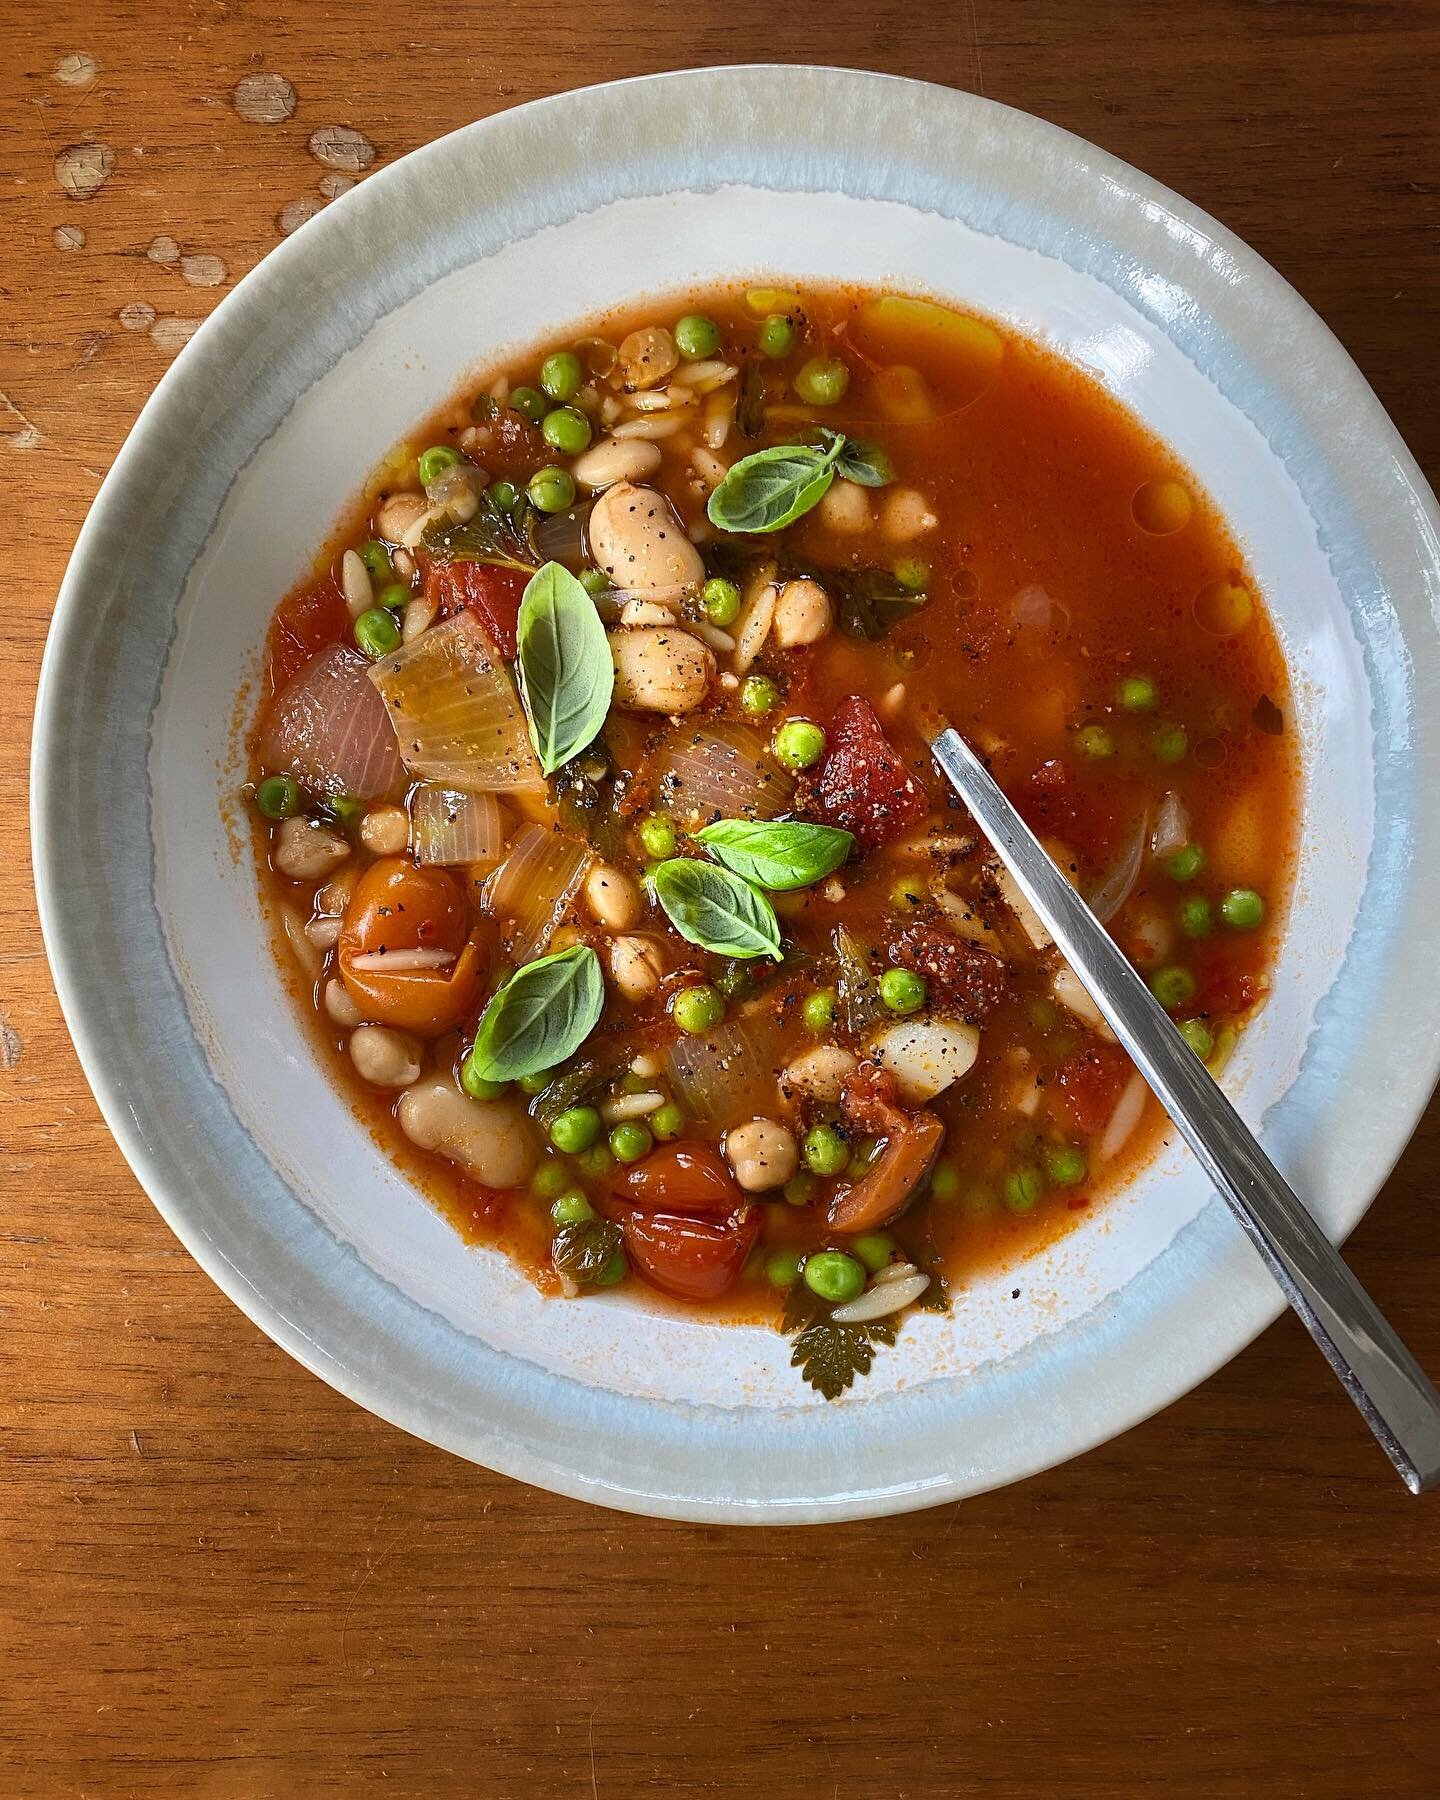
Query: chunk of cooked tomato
pixel 306 620
pixel 685 1178
pixel 398 909
pixel 1088 1085
pixel 861 784
pixel 491 593
pixel 693 1259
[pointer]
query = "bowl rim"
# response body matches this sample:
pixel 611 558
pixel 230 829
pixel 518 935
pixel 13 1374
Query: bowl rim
pixel 89 1025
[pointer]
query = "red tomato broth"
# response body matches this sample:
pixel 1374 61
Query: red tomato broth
pixel 1033 484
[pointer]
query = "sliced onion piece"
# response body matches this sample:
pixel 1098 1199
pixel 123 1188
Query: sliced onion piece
pixel 450 826
pixel 532 889
pixel 1172 826
pixel 560 537
pixel 328 728
pixel 926 1056
pixel 721 771
pixel 1118 883
pixel 456 713
pixel 731 1072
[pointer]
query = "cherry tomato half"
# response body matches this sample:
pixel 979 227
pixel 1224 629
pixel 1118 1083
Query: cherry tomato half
pixel 683 1179
pixel 694 1259
pixel 396 909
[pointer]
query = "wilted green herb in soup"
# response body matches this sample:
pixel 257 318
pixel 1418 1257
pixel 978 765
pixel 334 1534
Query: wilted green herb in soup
pixel 600 819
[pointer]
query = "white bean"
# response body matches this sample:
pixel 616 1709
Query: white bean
pixel 641 545
pixel 613 897
pixel 819 1073
pixel 615 459
pixel 339 1004
pixel 385 1058
pixel 305 852
pixel 762 1154
pixel 636 966
pixel 926 1055
pixel 803 614
pixel 846 507
pixel 385 830
pixel 660 670
pixel 493 1140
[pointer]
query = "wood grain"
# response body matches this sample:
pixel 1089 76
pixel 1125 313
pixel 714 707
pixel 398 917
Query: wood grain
pixel 220 1579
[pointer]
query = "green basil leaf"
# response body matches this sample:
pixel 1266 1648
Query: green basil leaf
pixel 780 856
pixel 716 910
pixel 582 1250
pixel 866 463
pixel 869 602
pixel 773 488
pixel 566 675
pixel 541 1015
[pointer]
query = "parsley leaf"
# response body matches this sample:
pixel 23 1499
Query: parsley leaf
pixel 828 1355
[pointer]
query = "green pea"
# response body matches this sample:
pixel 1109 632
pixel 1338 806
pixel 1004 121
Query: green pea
pixel 777 336
pixel 561 375
pixel 782 1268
pixel 832 1275
pixel 697 1009
pixel 759 695
pixel 1242 909
pixel 1196 916
pixel 1137 693
pixel 657 836
pixel 571 1208
pixel 551 490
pixel 1022 1188
pixel 1172 986
pixel 575 1130
pixel 530 403
pixel 902 990
pixel 735 979
pixel 696 336
pixel 821 381
pixel 1198 1035
pixel 614 1269
pixel 907 894
pixel 667 1121
pixel 944 1181
pixel 476 1086
pixel 1065 1165
pixel 595 582
pixel 1170 743
pixel 913 574
pixel 721 600
pixel 376 559
pixel 630 1140
pixel 826 1151
pixel 1094 742
pixel 278 796
pixel 596 1162
pixel 566 430
pixel 798 744
pixel 347 809
pixel 874 1249
pixel 536 1083
pixel 394 596
pixel 376 633
pixel 818 1012
pixel 435 461
pixel 1185 864
pixel 550 1180
pixel 800 1189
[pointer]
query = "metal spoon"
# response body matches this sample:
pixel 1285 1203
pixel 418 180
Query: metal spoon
pixel 1392 1391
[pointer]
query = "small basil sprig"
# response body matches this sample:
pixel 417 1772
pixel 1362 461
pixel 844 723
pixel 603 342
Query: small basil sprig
pixel 866 464
pixel 774 487
pixel 566 675
pixel 541 1015
pixel 718 911
pixel 777 855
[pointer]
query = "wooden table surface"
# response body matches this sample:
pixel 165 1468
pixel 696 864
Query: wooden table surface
pixel 219 1578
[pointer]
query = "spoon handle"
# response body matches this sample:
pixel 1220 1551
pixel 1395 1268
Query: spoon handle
pixel 1392 1391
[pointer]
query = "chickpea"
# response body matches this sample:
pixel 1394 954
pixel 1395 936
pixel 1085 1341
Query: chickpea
pixel 803 614
pixel 646 357
pixel 385 1058
pixel 493 1140
pixel 341 1008
pixel 304 851
pixel 635 967
pixel 615 459
pixel 905 515
pixel 613 898
pixel 846 507
pixel 398 513
pixel 385 830
pixel 819 1074
pixel 334 897
pixel 660 669
pixel 762 1154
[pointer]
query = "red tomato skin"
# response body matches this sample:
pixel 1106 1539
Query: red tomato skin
pixel 861 784
pixel 1087 1087
pixel 693 1259
pixel 491 593
pixel 308 619
pixel 681 1179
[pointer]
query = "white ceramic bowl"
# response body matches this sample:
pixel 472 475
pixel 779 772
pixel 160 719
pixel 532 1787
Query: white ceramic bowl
pixel 264 428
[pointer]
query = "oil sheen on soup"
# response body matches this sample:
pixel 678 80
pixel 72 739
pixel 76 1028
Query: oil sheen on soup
pixel 594 804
